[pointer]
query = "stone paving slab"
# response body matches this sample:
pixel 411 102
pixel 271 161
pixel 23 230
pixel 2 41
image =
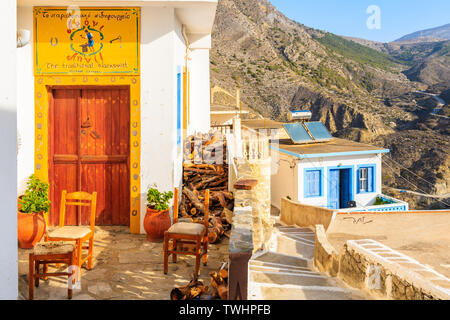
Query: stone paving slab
pixel 126 267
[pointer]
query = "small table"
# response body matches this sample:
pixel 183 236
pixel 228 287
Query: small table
pixel 50 252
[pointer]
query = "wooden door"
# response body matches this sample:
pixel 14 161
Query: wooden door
pixel 89 151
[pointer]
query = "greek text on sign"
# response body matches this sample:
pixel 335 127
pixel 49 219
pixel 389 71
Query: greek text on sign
pixel 75 41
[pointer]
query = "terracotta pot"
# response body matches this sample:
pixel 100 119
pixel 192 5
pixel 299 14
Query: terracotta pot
pixel 156 223
pixel 30 229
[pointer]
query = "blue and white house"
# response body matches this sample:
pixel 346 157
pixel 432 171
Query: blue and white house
pixel 314 168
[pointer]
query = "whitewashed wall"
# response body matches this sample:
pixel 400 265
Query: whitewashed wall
pixel 158 100
pixel 25 100
pixel 8 163
pixel 199 88
pixel 162 52
pixel 180 61
pixel 283 184
pixel 284 180
pixel 361 199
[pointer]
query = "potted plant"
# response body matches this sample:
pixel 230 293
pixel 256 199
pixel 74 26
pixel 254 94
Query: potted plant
pixel 31 208
pixel 157 218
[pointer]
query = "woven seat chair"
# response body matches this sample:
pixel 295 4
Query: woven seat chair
pixel 78 234
pixel 187 233
pixel 50 252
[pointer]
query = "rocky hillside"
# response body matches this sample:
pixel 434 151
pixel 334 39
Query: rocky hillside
pixel 441 32
pixel 425 61
pixel 359 92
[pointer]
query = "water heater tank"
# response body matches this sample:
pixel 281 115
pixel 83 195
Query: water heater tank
pixel 301 115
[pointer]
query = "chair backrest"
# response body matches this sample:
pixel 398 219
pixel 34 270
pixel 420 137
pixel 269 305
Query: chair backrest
pixel 176 207
pixel 206 210
pixel 80 199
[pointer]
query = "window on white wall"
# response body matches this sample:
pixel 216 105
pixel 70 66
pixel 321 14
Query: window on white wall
pixel 363 179
pixel 366 179
pixel 313 183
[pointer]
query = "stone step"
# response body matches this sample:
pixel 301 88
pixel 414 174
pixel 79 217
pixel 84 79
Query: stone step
pixel 288 292
pixel 290 278
pixel 277 265
pixel 274 268
pixel 294 246
pixel 282 259
pixel 286 227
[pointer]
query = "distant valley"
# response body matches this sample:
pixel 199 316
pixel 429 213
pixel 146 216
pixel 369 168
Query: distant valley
pixel 389 94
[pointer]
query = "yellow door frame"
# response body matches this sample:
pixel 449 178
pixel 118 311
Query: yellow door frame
pixel 42 86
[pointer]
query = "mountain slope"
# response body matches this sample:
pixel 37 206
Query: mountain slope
pixel 441 32
pixel 358 92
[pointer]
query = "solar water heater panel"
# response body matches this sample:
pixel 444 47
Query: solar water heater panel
pixel 297 133
pixel 318 131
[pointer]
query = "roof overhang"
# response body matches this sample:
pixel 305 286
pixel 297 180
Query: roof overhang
pixel 331 154
pixel 197 15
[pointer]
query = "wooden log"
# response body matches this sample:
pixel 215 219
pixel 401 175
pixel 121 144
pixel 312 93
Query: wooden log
pixel 223 273
pixel 179 293
pixel 217 183
pixel 216 280
pixel 194 200
pixel 191 291
pixel 227 215
pixel 222 291
pixel 216 231
pixel 213 236
pixel 202 171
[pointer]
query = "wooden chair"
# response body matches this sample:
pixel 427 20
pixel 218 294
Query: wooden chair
pixel 194 235
pixel 50 252
pixel 79 234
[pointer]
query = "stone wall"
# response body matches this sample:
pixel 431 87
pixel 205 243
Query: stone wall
pixel 382 272
pixel 302 215
pixel 325 256
pixel 258 199
pixel 384 279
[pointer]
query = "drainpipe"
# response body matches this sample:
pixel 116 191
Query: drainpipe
pixel 186 42
pixel 186 57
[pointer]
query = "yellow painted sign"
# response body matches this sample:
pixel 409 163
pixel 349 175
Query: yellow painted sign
pixel 86 41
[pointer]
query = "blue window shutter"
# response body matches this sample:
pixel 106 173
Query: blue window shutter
pixel 358 180
pixel 312 183
pixel 179 109
pixel 316 183
pixel 370 180
pixel 308 183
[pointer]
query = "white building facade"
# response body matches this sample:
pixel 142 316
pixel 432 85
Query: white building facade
pixel 343 181
pixel 163 89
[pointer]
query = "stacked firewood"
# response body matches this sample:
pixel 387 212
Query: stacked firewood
pixel 219 283
pixel 197 178
pixel 195 289
pixel 205 148
pixel 192 291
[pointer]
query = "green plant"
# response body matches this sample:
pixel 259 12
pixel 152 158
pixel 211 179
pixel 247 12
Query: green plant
pixel 380 201
pixel 35 199
pixel 158 200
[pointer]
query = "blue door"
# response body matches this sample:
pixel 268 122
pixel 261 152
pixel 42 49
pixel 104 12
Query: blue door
pixel 345 180
pixel 333 189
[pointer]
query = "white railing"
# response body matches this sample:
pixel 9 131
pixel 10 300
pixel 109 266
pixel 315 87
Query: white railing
pixel 395 206
pixel 255 146
pixel 223 129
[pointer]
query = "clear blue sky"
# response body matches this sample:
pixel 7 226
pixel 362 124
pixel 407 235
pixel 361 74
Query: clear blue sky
pixel 348 17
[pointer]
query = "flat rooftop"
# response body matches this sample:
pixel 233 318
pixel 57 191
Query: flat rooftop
pixel 334 147
pixel 424 236
pixel 262 124
pixel 217 109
